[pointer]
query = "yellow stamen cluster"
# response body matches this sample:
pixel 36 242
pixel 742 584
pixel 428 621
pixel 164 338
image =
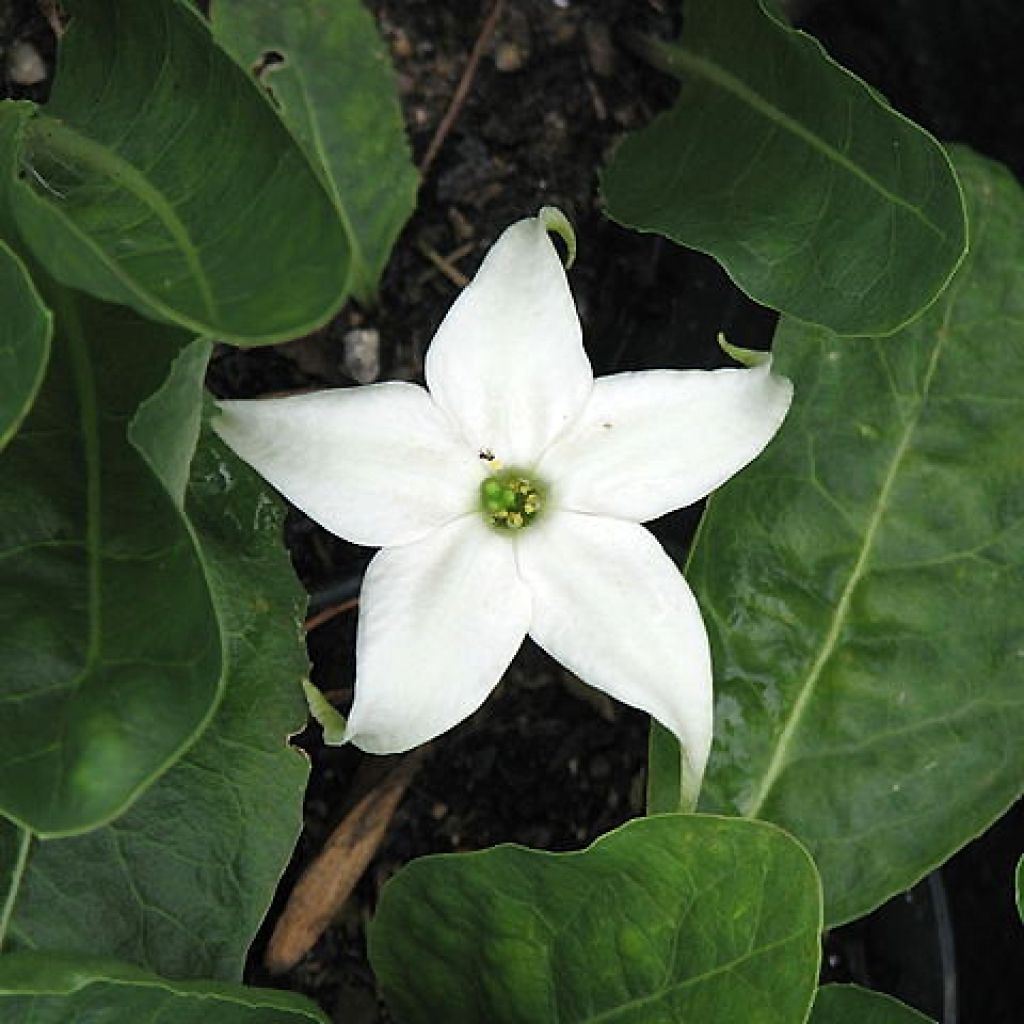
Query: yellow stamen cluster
pixel 510 500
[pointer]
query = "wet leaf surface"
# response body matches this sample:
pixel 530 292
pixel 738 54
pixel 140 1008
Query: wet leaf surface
pixel 817 197
pixel 676 917
pixel 862 583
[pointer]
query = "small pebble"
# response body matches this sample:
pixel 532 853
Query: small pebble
pixel 24 65
pixel 400 45
pixel 508 57
pixel 361 354
pixel 512 48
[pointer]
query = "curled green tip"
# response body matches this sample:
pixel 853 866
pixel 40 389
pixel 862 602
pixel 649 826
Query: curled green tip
pixel 556 222
pixel 331 721
pixel 747 357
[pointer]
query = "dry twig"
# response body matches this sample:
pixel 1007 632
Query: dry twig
pixel 446 263
pixel 50 10
pixel 314 621
pixel 462 89
pixel 328 881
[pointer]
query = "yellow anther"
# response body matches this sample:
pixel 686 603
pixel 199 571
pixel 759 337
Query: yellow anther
pixel 510 499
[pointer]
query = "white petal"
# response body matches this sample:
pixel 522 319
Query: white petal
pixel 650 442
pixel 439 621
pixel 612 607
pixel 508 363
pixel 376 465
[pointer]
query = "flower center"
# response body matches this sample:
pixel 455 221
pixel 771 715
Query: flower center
pixel 510 500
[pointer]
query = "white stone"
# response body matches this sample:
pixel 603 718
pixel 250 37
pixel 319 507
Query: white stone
pixel 24 66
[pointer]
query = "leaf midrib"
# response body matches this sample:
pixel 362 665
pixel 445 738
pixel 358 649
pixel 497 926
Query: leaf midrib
pixel 62 138
pixel 779 756
pixel 17 874
pixel 85 386
pixel 687 60
pixel 696 979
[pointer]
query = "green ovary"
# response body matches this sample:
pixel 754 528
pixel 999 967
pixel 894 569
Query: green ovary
pixel 511 500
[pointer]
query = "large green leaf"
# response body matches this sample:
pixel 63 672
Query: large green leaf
pixel 679 917
pixel 158 177
pixel 25 330
pixel 180 881
pixel 848 1004
pixel 863 583
pixel 108 634
pixel 337 93
pixel 60 989
pixel 14 115
pixel 816 197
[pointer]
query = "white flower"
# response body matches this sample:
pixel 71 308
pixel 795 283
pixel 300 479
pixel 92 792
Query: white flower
pixel 507 499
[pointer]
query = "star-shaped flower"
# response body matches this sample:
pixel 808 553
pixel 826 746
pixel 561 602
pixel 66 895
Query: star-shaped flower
pixel 508 498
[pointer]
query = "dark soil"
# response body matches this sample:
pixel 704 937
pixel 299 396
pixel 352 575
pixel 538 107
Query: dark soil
pixel 547 762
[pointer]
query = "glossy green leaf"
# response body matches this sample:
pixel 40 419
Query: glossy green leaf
pixel 14 115
pixel 108 634
pixel 51 988
pixel 336 91
pixel 181 880
pixel 25 331
pixel 671 918
pixel 158 177
pixel 165 427
pixel 817 198
pixel 863 583
pixel 849 1004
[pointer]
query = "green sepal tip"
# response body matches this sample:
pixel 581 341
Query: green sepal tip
pixel 556 222
pixel 331 721
pixel 747 357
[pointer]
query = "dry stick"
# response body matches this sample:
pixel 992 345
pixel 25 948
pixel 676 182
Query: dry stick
pixel 328 881
pixel 445 265
pixel 462 89
pixel 49 10
pixel 329 613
